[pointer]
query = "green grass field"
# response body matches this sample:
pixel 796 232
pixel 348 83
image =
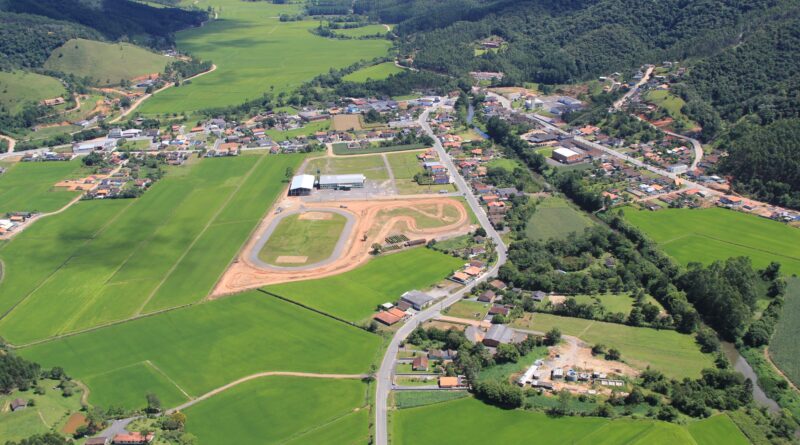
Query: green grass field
pixel 784 349
pixel 614 302
pixel 411 399
pixel 671 103
pixel 372 167
pixel 404 166
pixel 354 295
pixel 714 234
pixel 555 218
pixel 375 72
pixel 108 63
pixel 676 355
pixel 506 164
pixel 20 87
pixel 51 409
pixel 277 409
pixel 254 51
pixel 473 310
pixel 469 421
pixel 342 150
pixel 104 261
pixel 205 346
pixel 369 30
pixel 28 186
pixel 313 239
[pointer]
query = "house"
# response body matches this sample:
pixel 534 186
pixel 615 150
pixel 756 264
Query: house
pixel 397 313
pixel 461 277
pixel 498 334
pixel 487 297
pixel 442 354
pixel 386 318
pixel 18 404
pixel 497 284
pixel 420 363
pixel 472 271
pixel 135 438
pixel 449 382
pixel 418 300
pixel 99 440
pixel 498 310
pixel 539 295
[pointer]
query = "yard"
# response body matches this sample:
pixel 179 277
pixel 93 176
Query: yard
pixel 375 72
pixel 354 295
pixel 28 186
pixel 676 355
pixel 51 410
pixel 473 310
pixel 555 218
pixel 204 346
pixel 372 167
pixel 707 235
pixel 301 236
pixel 104 261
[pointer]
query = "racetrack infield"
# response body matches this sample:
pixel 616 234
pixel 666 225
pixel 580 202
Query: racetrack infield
pixel 303 239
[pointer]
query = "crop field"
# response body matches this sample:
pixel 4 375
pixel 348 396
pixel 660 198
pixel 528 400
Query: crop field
pixel 369 30
pixel 555 218
pixel 342 150
pixel 204 346
pixel 676 355
pixel 28 186
pixel 277 409
pixel 466 420
pixel 714 234
pixel 104 261
pixel 354 295
pixel 372 167
pixel 19 87
pixel 51 408
pixel 107 62
pixel 375 72
pixel 783 348
pixel 314 239
pixel 254 51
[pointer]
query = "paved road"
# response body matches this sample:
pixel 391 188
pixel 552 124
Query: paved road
pixel 384 375
pixel 696 145
pixel 618 104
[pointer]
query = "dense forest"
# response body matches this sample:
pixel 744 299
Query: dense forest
pixel 26 40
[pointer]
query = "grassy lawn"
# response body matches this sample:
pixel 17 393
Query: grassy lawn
pixel 676 355
pixel 51 410
pixel 254 51
pixel 506 164
pixel 372 167
pixel 104 261
pixel 276 409
pixel 205 346
pixel 342 149
pixel 467 420
pixel 714 234
pixel 472 310
pixel 20 87
pixel 313 239
pixel 354 295
pixel 784 348
pixel 614 302
pixel 369 30
pixel 28 186
pixel 375 72
pixel 306 130
pixel 411 399
pixel 555 218
pixel 108 63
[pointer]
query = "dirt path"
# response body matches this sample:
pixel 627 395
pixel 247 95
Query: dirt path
pixel 35 218
pixel 11 142
pixel 223 388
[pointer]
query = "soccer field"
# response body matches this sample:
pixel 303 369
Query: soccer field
pixel 254 51
pixel 104 261
pixel 714 234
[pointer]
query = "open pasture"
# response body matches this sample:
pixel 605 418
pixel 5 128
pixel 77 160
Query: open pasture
pixel 104 261
pixel 254 51
pixel 108 63
pixel 28 186
pixel 612 303
pixel 276 409
pixel 204 346
pixel 363 31
pixel 676 355
pixel 372 167
pixel 312 236
pixel 354 295
pixel 467 421
pixel 375 72
pixel 707 235
pixel 555 218
pixel 20 87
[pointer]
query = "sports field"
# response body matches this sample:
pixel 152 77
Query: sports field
pixel 714 234
pixel 254 51
pixel 51 408
pixel 784 348
pixel 372 167
pixel 469 421
pixel 676 355
pixel 555 218
pixel 279 409
pixel 103 261
pixel 19 87
pixel 28 186
pixel 107 62
pixel 312 237
pixel 375 72
pixel 202 347
pixel 354 295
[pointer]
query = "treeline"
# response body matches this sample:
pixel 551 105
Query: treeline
pixel 26 41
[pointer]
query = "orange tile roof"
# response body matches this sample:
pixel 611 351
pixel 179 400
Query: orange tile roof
pixel 396 312
pixel 448 382
pixel 472 270
pixel 386 318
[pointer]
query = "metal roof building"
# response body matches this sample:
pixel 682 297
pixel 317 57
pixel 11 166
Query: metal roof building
pixel 301 185
pixel 340 181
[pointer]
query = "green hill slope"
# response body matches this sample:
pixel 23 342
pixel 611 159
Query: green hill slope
pixel 19 87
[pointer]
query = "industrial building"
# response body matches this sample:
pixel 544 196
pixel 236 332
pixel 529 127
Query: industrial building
pixel 566 156
pixel 301 185
pixel 342 181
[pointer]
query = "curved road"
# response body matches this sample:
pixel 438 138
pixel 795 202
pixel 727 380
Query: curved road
pixel 11 142
pixel 384 375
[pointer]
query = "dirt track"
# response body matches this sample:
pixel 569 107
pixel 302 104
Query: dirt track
pixel 371 223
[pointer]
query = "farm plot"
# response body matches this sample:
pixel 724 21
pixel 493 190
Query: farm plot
pixel 676 355
pixel 465 420
pixel 162 250
pixel 204 346
pixel 354 295
pixel 305 238
pixel 372 167
pixel 276 409
pixel 18 88
pixel 375 72
pixel 28 186
pixel 288 55
pixel 783 348
pixel 555 218
pixel 708 235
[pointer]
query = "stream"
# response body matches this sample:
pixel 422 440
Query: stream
pixel 741 365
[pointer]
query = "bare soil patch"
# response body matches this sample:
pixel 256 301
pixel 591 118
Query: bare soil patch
pixel 288 259
pixel 74 421
pixel 315 216
pixel 344 122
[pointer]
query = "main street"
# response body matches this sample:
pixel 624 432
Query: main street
pixel 384 375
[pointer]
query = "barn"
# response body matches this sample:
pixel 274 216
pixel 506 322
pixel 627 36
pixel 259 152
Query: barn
pixel 301 185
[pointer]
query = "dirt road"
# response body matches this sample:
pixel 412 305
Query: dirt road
pixel 11 142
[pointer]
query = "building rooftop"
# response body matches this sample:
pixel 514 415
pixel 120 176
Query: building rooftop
pixel 342 179
pixel 302 182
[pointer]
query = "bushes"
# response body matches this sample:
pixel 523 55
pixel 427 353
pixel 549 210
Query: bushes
pixel 502 394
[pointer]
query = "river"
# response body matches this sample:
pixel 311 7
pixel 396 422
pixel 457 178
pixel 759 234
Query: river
pixel 741 365
pixel 470 115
